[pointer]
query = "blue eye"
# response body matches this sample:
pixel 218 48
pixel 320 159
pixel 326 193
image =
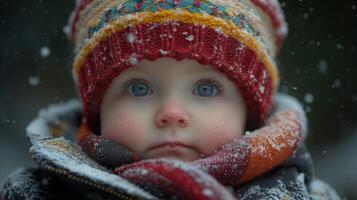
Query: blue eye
pixel 138 89
pixel 206 89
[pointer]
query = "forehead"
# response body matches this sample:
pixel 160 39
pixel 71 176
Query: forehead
pixel 165 65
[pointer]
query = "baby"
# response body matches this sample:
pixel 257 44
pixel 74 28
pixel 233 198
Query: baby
pixel 176 96
pixel 175 78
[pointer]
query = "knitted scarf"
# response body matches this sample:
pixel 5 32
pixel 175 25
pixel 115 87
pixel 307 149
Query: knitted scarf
pixel 233 164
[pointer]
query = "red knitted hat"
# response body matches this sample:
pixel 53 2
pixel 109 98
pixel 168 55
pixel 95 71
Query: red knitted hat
pixel 238 38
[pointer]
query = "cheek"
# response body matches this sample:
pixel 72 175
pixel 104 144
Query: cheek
pixel 124 129
pixel 218 131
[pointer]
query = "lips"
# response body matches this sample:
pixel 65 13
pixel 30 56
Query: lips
pixel 170 144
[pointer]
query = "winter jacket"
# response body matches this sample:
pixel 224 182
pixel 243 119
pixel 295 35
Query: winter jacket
pixel 64 171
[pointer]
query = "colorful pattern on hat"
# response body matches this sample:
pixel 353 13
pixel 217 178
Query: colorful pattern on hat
pixel 232 36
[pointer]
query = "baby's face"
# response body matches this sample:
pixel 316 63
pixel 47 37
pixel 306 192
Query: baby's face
pixel 170 108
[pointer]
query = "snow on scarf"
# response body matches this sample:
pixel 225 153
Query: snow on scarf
pixel 234 164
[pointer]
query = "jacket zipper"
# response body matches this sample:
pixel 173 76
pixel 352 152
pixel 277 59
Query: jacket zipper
pixel 87 182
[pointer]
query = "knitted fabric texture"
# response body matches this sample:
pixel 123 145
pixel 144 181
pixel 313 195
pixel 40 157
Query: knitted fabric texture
pixel 238 38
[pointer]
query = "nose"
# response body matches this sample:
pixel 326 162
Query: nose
pixel 171 115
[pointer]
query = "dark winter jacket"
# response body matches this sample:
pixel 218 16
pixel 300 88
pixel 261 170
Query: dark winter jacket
pixel 66 172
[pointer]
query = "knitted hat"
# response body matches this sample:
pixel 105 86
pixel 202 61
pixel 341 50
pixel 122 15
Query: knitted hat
pixel 239 38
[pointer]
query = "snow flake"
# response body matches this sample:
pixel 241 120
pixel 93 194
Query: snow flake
pixel 339 46
pixel 45 52
pixel 305 15
pixel 10 121
pixel 336 84
pixel 131 37
pixel 218 30
pixel 261 89
pixel 247 132
pixel 133 59
pixel 309 98
pixel 144 171
pixel 163 52
pixel 34 80
pixel 189 38
pixel 65 30
pixel 152 26
pixel 207 192
pixel 322 66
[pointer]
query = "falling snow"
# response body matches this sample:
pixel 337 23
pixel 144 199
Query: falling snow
pixel 10 121
pixel 308 98
pixel 336 84
pixel 322 66
pixel 163 52
pixel 133 59
pixel 261 89
pixel 305 15
pixel 65 30
pixel 189 38
pixel 34 80
pixel 339 46
pixel 45 52
pixel 131 38
pixel 144 171
pixel 208 192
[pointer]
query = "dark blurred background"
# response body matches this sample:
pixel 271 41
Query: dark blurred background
pixel 317 65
